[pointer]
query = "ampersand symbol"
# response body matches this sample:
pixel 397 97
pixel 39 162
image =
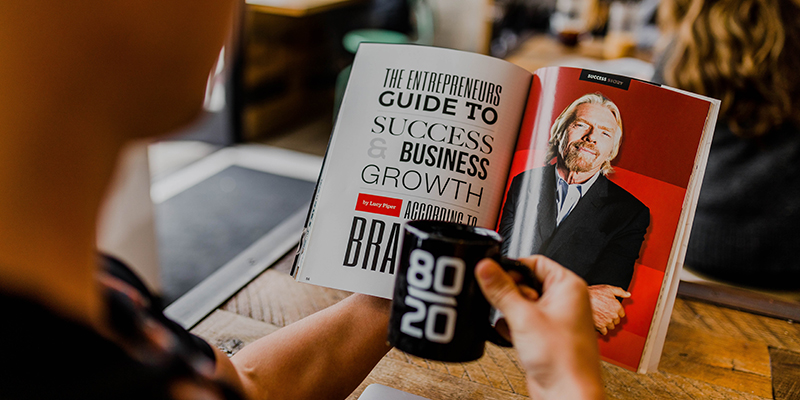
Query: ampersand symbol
pixel 377 148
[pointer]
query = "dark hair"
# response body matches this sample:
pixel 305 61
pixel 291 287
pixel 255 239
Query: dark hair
pixel 743 52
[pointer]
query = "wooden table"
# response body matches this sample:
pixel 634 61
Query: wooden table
pixel 544 50
pixel 711 352
pixel 296 8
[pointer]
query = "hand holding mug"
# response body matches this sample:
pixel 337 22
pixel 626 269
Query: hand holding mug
pixel 553 333
pixel 438 311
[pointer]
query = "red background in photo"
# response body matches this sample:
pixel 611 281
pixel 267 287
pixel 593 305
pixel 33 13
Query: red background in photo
pixel 660 139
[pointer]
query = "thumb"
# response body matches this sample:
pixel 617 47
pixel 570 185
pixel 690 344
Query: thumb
pixel 620 292
pixel 499 288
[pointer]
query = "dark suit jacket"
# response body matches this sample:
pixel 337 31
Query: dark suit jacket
pixel 599 240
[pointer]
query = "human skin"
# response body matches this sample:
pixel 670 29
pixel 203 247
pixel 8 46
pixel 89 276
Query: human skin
pixel 558 349
pixel 590 140
pixel 607 311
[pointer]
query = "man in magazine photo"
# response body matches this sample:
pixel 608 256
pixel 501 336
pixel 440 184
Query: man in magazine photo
pixel 572 213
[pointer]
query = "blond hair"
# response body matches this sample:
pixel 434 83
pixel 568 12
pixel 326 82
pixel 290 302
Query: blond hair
pixel 558 132
pixel 743 52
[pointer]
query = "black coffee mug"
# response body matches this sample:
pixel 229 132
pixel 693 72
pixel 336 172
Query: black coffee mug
pixel 438 309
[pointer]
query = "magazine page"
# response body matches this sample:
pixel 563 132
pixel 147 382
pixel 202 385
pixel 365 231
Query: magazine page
pixel 422 133
pixel 600 179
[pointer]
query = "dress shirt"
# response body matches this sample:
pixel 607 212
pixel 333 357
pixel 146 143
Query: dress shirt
pixel 567 195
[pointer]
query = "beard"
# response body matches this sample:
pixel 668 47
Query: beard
pixel 579 161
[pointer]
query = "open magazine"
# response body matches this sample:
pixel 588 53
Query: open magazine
pixel 432 133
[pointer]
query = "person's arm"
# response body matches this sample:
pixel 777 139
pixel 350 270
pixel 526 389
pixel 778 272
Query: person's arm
pixel 614 264
pixel 612 274
pixel 553 334
pixel 323 356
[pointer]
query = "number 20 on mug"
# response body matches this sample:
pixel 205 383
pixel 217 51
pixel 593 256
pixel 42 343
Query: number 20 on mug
pixel 433 284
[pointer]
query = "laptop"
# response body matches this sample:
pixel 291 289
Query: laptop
pixel 224 219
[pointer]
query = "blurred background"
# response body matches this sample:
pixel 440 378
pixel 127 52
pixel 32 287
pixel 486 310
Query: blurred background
pixel 210 204
pixel 193 202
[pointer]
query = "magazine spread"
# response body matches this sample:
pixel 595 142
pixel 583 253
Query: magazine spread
pixel 422 133
pixel 597 171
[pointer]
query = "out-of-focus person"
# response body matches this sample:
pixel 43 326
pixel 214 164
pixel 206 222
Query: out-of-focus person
pixel 747 54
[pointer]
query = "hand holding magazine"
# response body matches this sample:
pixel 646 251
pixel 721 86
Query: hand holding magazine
pixel 597 171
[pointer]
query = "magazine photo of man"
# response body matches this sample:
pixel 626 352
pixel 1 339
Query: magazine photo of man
pixel 569 211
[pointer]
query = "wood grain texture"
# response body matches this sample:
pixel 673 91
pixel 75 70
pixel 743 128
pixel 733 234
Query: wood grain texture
pixel 724 361
pixel 231 332
pixel 724 322
pixel 785 374
pixel 499 368
pixel 710 351
pixel 434 385
pixel 276 298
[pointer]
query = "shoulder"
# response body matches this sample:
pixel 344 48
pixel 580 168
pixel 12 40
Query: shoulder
pixel 617 195
pixel 534 173
pixel 81 362
pixel 542 177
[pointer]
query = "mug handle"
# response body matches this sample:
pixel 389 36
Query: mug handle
pixel 528 279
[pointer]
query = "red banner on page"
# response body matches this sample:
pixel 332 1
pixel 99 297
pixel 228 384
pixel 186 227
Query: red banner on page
pixel 379 205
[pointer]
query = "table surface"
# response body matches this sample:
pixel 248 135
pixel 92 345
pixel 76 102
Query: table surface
pixel 544 50
pixel 710 351
pixel 296 8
